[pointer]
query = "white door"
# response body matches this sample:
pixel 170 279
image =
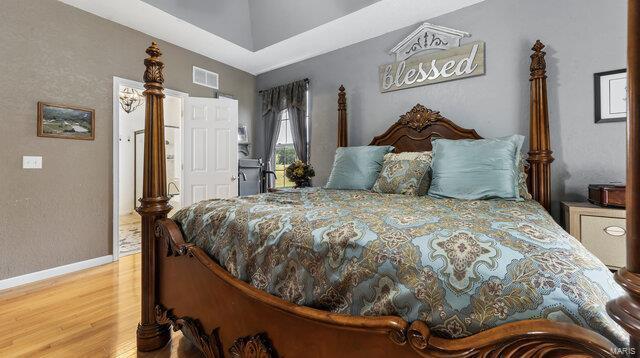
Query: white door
pixel 210 149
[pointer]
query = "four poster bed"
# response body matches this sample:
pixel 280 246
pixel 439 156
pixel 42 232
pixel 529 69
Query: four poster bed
pixel 184 287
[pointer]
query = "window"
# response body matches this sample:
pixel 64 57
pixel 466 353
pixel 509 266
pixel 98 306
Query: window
pixel 285 153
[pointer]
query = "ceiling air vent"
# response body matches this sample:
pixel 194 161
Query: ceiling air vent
pixel 205 78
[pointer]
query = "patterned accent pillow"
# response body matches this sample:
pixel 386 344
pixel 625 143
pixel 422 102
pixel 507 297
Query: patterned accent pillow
pixel 404 173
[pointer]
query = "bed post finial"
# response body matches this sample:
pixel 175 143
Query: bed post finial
pixel 540 154
pixel 626 309
pixel 153 77
pixel 154 204
pixel 538 64
pixel 342 118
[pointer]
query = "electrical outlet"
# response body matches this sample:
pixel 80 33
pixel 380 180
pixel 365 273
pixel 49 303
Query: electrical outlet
pixel 31 162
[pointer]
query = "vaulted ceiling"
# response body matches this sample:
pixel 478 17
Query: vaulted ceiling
pixel 256 24
pixel 260 35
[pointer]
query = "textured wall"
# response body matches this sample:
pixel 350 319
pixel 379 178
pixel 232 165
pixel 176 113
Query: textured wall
pixel 56 53
pixel 583 37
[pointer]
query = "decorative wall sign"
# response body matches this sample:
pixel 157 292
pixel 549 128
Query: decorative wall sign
pixel 610 90
pixel 455 63
pixel 427 37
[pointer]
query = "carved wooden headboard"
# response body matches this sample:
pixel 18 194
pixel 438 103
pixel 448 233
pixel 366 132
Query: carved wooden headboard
pixel 415 129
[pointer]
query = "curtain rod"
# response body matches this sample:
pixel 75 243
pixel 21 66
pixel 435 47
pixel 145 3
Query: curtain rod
pixel 305 80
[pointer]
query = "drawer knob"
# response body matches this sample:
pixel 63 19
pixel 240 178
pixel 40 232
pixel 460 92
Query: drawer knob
pixel 615 231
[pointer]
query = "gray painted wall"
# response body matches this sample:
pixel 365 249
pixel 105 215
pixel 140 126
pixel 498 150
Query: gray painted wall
pixel 229 19
pixel 582 37
pixel 276 20
pixel 53 52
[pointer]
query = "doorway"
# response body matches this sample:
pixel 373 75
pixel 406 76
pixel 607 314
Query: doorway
pixel 173 151
pixel 128 159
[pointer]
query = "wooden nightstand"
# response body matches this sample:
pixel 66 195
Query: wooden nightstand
pixel 601 230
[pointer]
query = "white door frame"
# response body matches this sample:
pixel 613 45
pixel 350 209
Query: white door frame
pixel 117 82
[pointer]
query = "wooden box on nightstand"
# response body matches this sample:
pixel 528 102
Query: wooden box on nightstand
pixel 601 230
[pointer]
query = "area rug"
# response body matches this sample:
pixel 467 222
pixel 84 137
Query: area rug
pixel 129 239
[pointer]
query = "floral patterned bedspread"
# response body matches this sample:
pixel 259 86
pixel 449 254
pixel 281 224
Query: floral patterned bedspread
pixel 461 266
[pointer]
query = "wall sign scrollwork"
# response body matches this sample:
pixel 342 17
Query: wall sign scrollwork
pixel 427 37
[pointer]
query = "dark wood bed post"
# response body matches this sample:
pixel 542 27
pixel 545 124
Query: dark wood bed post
pixel 154 204
pixel 343 136
pixel 539 144
pixel 626 310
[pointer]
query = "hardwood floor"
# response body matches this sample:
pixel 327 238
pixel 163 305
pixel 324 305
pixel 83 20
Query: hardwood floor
pixel 91 313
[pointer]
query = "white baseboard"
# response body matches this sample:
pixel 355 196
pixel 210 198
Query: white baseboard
pixel 53 272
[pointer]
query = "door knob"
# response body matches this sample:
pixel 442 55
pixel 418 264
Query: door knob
pixel 233 178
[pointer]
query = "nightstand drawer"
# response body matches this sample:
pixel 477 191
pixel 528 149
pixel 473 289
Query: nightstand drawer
pixel 605 237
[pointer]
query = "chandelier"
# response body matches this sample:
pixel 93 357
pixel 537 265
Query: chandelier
pixel 130 99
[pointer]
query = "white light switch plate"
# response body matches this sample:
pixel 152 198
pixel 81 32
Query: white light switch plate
pixel 31 162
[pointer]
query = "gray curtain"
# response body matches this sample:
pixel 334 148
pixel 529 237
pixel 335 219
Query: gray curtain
pixel 297 109
pixel 291 97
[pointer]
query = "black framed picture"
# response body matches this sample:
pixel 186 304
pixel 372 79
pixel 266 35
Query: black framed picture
pixel 610 90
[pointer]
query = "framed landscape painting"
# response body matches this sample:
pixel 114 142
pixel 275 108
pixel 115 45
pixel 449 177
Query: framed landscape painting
pixel 62 121
pixel 611 96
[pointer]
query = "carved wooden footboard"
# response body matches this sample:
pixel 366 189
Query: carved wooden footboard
pixel 226 317
pixel 183 288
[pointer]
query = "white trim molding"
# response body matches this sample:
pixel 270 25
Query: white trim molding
pixel 387 15
pixel 117 82
pixel 53 272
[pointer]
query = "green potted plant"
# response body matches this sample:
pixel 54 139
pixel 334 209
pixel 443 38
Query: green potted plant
pixel 300 173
